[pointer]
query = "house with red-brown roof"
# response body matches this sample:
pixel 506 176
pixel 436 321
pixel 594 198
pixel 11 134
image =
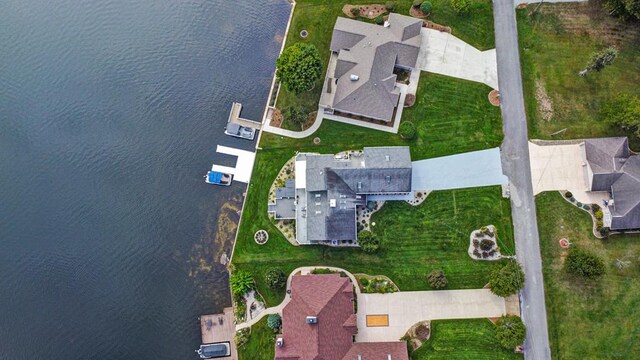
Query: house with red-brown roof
pixel 319 323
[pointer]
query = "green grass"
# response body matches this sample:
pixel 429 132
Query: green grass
pixel 463 339
pixel 597 319
pixel 555 45
pixel 261 343
pixel 319 16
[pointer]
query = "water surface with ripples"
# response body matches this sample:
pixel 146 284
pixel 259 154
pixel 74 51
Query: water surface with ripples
pixel 110 112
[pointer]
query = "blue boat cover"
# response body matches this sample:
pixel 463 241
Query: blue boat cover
pixel 214 177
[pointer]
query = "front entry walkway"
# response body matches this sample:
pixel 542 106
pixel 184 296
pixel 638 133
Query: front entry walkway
pixel 471 169
pixel 445 54
pixel 404 309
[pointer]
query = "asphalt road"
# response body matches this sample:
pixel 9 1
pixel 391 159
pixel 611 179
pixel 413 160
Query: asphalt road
pixel 516 164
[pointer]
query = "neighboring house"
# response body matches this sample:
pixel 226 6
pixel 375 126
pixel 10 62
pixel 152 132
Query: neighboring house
pixel 329 188
pixel 610 166
pixel 319 323
pixel 360 77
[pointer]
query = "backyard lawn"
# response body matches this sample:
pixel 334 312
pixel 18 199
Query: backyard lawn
pixel 319 16
pixel 598 319
pixel 463 339
pixel 261 343
pixel 556 44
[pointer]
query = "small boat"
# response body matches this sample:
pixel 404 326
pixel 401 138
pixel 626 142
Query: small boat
pixel 213 351
pixel 218 178
pixel 239 131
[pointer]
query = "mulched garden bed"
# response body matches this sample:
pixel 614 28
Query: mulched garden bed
pixel 494 97
pixel 366 11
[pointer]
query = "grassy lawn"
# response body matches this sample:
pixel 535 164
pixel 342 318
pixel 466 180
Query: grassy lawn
pixel 597 319
pixel 463 339
pixel 261 344
pixel 555 45
pixel 318 18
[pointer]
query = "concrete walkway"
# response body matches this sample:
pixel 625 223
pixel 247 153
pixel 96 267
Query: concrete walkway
pixel 445 54
pixel 406 308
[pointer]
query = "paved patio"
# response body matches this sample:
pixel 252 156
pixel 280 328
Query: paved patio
pixel 471 169
pixel 562 167
pixel 445 54
pixel 406 308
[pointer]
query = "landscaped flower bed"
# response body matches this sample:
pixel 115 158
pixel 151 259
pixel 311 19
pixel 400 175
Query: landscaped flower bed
pixel 483 244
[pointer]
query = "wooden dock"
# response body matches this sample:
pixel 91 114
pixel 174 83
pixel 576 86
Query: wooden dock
pixel 219 328
pixel 234 117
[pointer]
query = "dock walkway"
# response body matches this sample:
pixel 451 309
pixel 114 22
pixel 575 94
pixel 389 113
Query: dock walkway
pixel 234 118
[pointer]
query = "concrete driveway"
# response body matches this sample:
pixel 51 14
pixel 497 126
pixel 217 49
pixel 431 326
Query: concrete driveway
pixel 470 169
pixel 406 308
pixel 562 167
pixel 445 54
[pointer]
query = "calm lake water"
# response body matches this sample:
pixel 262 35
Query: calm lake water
pixel 110 113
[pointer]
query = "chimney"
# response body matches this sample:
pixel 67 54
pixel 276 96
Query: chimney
pixel 279 342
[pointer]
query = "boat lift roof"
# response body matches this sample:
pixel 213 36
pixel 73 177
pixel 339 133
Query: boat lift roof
pixel 244 165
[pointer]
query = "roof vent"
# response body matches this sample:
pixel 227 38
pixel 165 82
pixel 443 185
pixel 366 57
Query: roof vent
pixel 354 77
pixel 359 185
pixel 332 203
pixel 388 178
pixel 359 357
pixel 386 157
pixel 311 320
pixel 279 342
pixel 387 24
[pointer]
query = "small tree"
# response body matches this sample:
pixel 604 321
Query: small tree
pixel 379 20
pixel 296 115
pixel 241 282
pixel 299 66
pixel 355 11
pixel 389 6
pixel 407 130
pixel 626 9
pixel 368 242
pixel 461 6
pixel 584 263
pixel 510 331
pixel 623 111
pixel 274 321
pixel 437 279
pixel 486 244
pixel 275 278
pixel 426 7
pixel 507 280
pixel 600 60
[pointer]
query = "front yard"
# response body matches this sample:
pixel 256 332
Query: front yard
pixel 595 319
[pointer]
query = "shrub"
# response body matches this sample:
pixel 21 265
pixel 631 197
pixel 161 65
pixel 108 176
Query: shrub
pixel 389 6
pixel 407 130
pixel 476 242
pixel 510 331
pixel 586 207
pixel 295 114
pixel 604 231
pixel 364 282
pixel 369 243
pixel 299 66
pixel 274 321
pixel 476 253
pixel 275 278
pixel 584 263
pixel 486 244
pixel 572 199
pixel 437 279
pixel 355 11
pixel 379 20
pixel 426 7
pixel 568 194
pixel 241 282
pixel 507 280
pixel 461 6
pixel 417 3
pixel 485 254
pixel 579 204
pixel 599 224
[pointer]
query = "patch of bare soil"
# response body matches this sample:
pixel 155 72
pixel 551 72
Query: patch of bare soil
pixel 276 118
pixel 367 11
pixel 545 106
pixel 416 12
pixel 494 97
pixel 311 118
pixel 432 25
pixel 588 18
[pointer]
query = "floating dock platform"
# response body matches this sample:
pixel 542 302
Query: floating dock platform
pixel 234 118
pixel 217 328
pixel 244 165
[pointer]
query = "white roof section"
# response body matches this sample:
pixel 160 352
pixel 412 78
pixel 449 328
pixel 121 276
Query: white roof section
pixel 244 165
pixel 471 169
pixel 301 174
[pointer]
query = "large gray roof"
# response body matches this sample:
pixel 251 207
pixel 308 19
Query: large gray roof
pixel 606 155
pixel 371 52
pixel 626 195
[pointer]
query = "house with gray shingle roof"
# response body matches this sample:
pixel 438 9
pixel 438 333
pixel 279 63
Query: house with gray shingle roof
pixel 360 77
pixel 329 188
pixel 612 167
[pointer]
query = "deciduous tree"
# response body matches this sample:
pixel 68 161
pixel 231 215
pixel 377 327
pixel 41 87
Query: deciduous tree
pixel 299 66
